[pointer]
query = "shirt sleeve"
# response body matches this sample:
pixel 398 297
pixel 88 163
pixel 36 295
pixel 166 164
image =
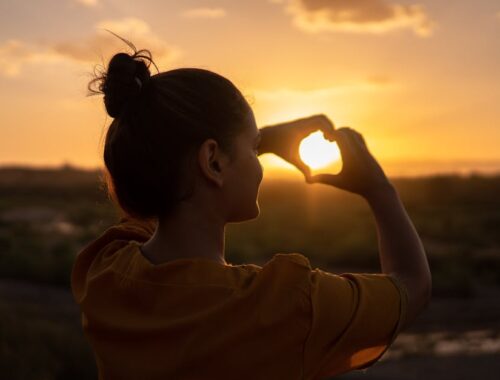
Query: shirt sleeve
pixel 354 319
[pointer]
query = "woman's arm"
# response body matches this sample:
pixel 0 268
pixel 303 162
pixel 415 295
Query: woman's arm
pixel 265 142
pixel 400 250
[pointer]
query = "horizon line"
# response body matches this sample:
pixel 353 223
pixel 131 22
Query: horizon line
pixel 491 168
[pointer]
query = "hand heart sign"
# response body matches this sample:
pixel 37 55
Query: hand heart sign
pixel 318 153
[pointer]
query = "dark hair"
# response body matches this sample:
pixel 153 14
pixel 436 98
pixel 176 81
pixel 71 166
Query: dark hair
pixel 159 123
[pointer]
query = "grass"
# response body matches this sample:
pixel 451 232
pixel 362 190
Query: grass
pixel 41 339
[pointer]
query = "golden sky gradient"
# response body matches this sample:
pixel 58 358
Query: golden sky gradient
pixel 420 81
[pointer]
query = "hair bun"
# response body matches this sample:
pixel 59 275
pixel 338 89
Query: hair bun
pixel 120 83
pixel 126 74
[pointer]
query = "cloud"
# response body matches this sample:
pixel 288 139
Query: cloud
pixel 14 54
pixel 380 80
pixel 103 43
pixel 206 13
pixel 357 16
pixel 368 85
pixel 88 3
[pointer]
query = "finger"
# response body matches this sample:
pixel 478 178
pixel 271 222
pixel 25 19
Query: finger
pixel 303 168
pixel 346 145
pixel 357 139
pixel 328 179
pixel 324 124
pixel 327 127
pixel 318 122
pixel 358 136
pixel 351 135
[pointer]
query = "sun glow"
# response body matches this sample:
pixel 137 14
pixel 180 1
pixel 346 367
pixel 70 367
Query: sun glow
pixel 316 152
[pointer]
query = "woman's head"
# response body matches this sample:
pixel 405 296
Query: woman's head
pixel 181 135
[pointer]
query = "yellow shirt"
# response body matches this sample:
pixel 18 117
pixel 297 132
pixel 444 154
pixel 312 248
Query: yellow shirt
pixel 190 319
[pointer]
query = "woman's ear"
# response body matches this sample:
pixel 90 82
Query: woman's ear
pixel 212 161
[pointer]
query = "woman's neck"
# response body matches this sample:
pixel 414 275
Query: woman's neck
pixel 190 233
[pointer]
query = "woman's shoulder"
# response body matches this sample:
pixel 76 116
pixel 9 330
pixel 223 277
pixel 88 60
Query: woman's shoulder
pixel 292 258
pixel 286 270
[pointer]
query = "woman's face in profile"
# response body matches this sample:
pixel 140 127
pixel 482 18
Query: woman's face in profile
pixel 246 173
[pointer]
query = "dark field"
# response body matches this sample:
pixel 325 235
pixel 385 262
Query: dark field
pixel 47 216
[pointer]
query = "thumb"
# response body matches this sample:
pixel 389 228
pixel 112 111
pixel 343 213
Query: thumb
pixel 328 179
pixel 303 168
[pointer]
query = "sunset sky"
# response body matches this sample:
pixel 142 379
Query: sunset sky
pixel 420 80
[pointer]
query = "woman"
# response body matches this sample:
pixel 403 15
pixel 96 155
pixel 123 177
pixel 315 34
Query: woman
pixel 159 300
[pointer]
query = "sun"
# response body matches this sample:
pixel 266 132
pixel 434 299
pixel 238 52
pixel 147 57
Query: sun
pixel 316 152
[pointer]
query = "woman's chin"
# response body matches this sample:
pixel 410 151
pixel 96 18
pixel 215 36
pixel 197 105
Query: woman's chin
pixel 256 211
pixel 247 215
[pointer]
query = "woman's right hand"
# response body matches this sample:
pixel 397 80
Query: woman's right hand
pixel 361 173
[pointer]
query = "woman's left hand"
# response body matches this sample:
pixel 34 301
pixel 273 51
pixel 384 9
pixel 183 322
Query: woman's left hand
pixel 283 139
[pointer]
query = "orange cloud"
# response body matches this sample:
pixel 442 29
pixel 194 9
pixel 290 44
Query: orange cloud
pixel 357 16
pixel 380 80
pixel 204 13
pixel 14 54
pixel 370 84
pixel 102 43
pixel 88 3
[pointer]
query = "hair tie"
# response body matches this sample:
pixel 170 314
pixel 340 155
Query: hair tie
pixel 139 82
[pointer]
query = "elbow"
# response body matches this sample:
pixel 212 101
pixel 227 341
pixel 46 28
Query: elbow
pixel 427 293
pixel 423 295
pixel 419 292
